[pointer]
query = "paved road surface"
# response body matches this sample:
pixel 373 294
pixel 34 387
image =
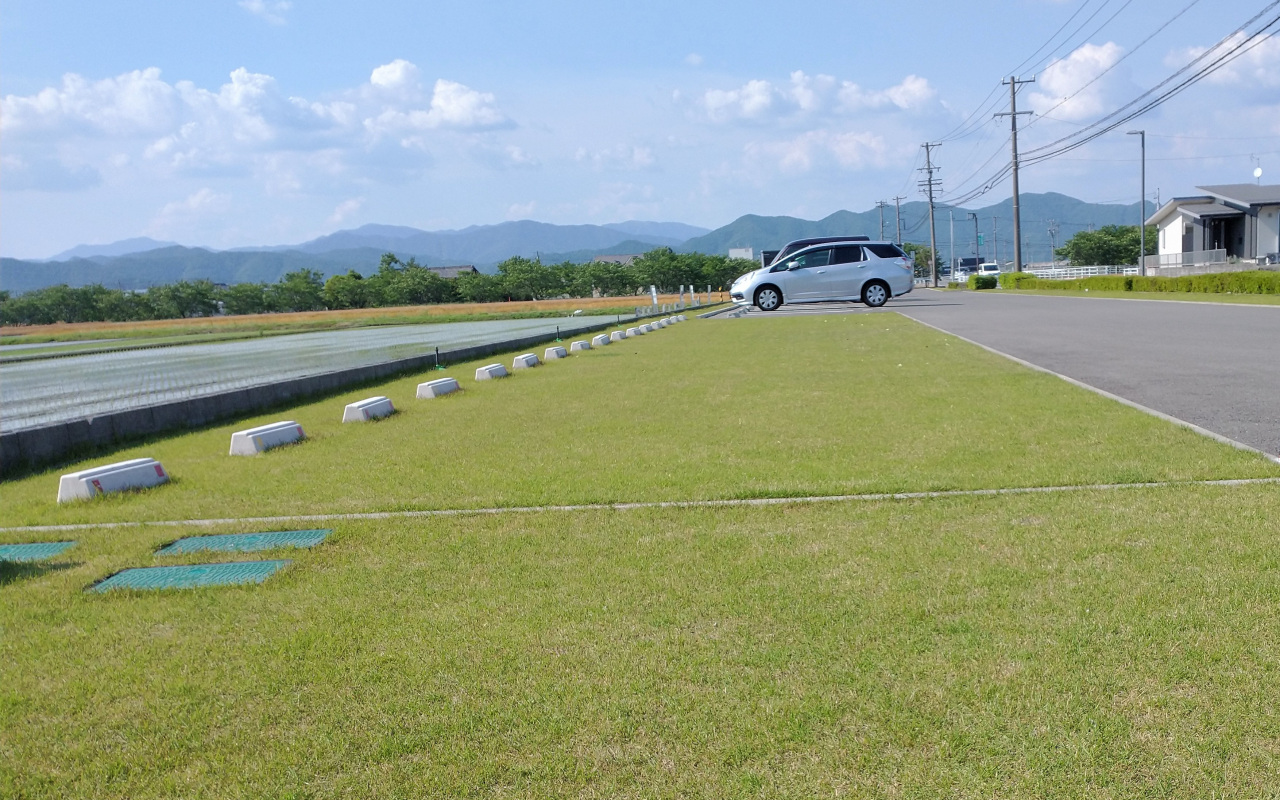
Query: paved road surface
pixel 1216 365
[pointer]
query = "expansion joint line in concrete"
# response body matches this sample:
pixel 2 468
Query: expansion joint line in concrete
pixel 1217 437
pixel 736 503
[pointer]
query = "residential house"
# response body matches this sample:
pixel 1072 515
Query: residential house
pixel 453 272
pixel 1239 221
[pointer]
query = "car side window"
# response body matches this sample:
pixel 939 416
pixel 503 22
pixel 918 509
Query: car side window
pixel 847 255
pixel 813 258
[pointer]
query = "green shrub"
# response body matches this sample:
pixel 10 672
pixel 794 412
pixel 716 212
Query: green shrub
pixel 1017 280
pixel 1253 282
pixel 982 281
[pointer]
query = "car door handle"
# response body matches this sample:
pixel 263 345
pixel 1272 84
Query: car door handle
pixel 822 272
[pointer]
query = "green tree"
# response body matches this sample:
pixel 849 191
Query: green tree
pixel 526 279
pixel 244 298
pixel 477 287
pixel 921 254
pixel 300 290
pixel 1107 246
pixel 346 291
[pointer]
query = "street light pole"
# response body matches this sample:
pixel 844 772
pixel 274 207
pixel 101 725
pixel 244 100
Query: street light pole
pixel 1142 207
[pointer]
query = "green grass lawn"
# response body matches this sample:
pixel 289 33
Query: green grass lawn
pixel 1194 297
pixel 792 406
pixel 1101 644
pixel 1091 644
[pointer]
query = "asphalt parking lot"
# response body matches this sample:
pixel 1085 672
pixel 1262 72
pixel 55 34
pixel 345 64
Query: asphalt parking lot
pixel 1215 365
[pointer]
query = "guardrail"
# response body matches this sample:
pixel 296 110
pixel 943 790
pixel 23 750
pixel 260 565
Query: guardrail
pixel 1198 258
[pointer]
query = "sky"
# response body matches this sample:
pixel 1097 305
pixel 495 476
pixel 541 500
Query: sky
pixel 233 123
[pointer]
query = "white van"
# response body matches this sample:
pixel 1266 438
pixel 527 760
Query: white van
pixel 990 268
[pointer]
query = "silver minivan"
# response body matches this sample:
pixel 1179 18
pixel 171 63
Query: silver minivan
pixel 852 269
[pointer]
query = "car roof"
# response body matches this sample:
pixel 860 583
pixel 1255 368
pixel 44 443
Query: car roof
pixel 826 240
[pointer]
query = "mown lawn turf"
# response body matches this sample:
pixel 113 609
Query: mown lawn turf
pixel 790 406
pixel 1110 644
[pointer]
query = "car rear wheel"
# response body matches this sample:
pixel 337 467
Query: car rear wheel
pixel 768 298
pixel 875 294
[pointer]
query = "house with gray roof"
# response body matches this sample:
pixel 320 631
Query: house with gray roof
pixel 453 272
pixel 1238 221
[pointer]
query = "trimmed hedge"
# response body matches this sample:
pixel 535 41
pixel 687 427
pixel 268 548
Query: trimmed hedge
pixel 982 281
pixel 1252 282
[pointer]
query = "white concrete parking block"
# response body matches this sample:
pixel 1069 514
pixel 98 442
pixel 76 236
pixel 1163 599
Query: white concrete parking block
pixel 617 336
pixel 491 371
pixel 552 353
pixel 265 437
pixel 137 473
pixel 525 361
pixel 437 388
pixel 634 332
pixel 646 328
pixel 582 344
pixel 367 409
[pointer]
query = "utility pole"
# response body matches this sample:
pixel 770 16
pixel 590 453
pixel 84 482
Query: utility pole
pixel 1012 114
pixel 928 185
pixel 897 211
pixel 977 251
pixel 951 262
pixel 880 204
pixel 1142 207
pixel 995 242
pixel 1053 242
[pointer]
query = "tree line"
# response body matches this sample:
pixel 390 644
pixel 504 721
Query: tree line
pixel 396 283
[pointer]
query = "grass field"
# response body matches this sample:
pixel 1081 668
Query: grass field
pixel 1116 643
pixel 1185 297
pixel 249 325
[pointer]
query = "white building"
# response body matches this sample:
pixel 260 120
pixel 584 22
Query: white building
pixel 1236 221
pixel 742 252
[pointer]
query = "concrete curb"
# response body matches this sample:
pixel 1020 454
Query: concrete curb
pixel 25 450
pixel 748 502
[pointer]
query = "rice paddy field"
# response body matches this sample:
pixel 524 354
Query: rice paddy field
pixel 561 584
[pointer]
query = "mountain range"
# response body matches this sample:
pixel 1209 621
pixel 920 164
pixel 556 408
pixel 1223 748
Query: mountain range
pixel 139 263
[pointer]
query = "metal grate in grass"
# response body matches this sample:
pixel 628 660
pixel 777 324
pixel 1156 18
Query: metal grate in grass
pixel 36 551
pixel 245 542
pixel 190 577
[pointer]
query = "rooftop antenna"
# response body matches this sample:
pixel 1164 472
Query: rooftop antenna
pixel 1257 170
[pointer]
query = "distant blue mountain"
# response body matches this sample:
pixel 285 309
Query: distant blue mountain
pixel 486 245
pixel 139 244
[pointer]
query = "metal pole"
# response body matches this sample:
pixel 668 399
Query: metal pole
pixel 1142 207
pixel 951 214
pixel 977 251
pixel 897 211
pixel 1017 217
pixel 995 242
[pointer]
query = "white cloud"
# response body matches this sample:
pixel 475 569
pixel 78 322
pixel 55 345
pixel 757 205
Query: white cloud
pixel 272 12
pixel 850 150
pixel 1257 67
pixel 1068 89
pixel 345 209
pixel 693 60
pixel 195 210
pixel 752 100
pixel 807 94
pixel 247 126
pixel 619 157
pixel 521 210
pixel 399 75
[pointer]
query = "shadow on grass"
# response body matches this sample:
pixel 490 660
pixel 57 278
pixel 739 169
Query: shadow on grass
pixel 14 571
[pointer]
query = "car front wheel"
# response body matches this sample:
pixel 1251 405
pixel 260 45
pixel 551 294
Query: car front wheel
pixel 768 298
pixel 875 294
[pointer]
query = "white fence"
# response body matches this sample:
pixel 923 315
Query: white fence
pixel 1209 259
pixel 1070 273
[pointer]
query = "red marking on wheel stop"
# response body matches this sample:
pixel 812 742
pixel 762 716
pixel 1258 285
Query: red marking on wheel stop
pixel 96 485
pixel 160 470
pixel 300 433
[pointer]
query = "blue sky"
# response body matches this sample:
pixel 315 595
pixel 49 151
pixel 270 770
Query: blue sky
pixel 228 123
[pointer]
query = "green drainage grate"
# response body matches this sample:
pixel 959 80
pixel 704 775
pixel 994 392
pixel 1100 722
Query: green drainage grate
pixel 191 577
pixel 245 542
pixel 36 551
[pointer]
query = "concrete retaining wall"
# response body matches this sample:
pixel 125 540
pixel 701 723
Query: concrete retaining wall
pixel 25 450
